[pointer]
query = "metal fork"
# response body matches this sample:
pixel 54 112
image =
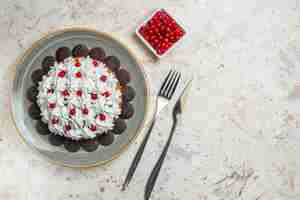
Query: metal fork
pixel 165 94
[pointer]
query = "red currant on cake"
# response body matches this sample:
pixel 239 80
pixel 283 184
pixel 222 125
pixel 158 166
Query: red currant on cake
pixel 95 63
pixel 106 94
pixel 93 127
pixel 61 74
pixel 54 120
pixel 85 111
pixel 65 93
pixel 103 78
pixel 77 64
pixel 94 96
pixel 102 117
pixel 52 105
pixel 68 127
pixel 78 74
pixel 79 93
pixel 72 111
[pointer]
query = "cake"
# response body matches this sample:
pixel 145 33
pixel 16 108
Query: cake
pixel 80 98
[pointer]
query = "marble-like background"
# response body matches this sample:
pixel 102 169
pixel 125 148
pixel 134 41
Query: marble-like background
pixel 239 136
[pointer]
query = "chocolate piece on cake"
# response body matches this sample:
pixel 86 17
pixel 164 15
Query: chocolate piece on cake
pixel 80 50
pixel 34 111
pixel 89 145
pixel 120 126
pixel 123 76
pixel 112 62
pixel 42 128
pixel 106 138
pixel 128 93
pixel 97 53
pixel 56 140
pixel 32 93
pixel 62 53
pixel 127 110
pixel 37 75
pixel 47 62
pixel 71 145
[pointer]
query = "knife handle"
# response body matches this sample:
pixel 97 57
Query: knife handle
pixel 137 157
pixel 155 171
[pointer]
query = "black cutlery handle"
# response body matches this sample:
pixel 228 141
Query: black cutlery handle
pixel 137 157
pixel 155 171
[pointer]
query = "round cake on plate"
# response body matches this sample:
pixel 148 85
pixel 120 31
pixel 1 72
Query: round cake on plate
pixel 81 98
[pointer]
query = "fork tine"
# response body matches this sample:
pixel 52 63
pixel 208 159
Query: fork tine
pixel 164 83
pixel 172 81
pixel 174 85
pixel 169 82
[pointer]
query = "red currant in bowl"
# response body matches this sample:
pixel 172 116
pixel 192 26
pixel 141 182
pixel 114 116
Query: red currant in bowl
pixel 160 32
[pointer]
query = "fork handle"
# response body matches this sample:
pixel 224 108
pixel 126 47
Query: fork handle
pixel 137 157
pixel 155 171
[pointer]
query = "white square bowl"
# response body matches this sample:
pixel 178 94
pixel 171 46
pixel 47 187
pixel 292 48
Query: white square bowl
pixel 148 44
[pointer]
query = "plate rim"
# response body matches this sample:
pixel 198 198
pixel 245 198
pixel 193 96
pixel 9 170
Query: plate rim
pixel 35 44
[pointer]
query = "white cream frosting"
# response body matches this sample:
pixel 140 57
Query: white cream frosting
pixel 74 116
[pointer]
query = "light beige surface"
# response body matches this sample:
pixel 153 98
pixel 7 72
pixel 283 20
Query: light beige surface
pixel 239 137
